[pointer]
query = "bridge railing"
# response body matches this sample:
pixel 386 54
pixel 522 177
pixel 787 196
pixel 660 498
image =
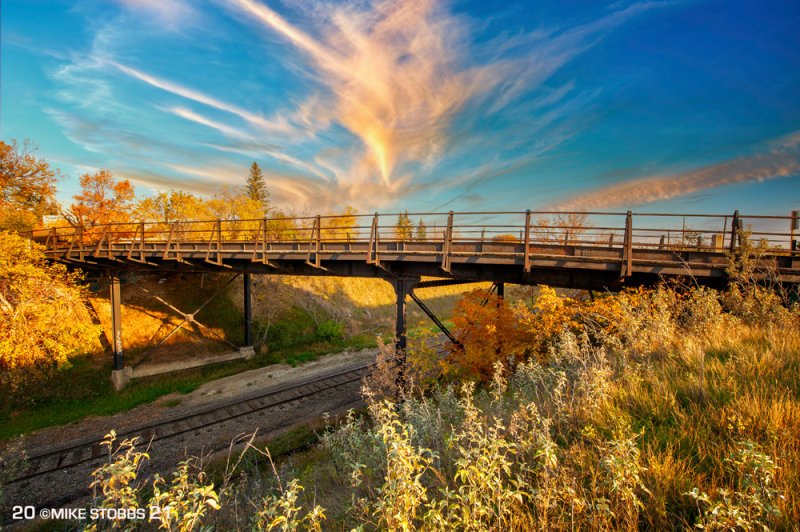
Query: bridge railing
pixel 550 229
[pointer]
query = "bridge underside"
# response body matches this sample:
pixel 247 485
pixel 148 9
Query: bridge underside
pixel 589 267
pixel 403 263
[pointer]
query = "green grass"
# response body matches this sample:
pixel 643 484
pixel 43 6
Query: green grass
pixel 59 401
pixel 85 388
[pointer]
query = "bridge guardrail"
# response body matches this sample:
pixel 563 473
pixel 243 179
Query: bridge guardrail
pixel 608 229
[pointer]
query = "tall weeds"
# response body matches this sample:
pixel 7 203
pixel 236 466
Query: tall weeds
pixel 653 409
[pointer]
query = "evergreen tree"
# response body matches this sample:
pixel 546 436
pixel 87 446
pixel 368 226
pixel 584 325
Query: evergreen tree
pixel 422 231
pixel 256 187
pixel 403 227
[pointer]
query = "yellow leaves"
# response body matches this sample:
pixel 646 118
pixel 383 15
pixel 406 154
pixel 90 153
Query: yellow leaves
pixel 43 321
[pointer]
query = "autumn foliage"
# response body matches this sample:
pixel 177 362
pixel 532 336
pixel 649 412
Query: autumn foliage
pixel 491 330
pixel 27 187
pixel 102 200
pixel 43 321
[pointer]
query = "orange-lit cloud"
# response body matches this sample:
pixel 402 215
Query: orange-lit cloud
pixel 396 71
pixel 782 159
pixel 408 79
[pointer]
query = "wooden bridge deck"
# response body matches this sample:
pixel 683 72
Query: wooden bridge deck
pixel 588 256
pixel 596 251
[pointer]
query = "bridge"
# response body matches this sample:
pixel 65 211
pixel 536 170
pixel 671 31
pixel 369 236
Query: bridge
pixel 583 250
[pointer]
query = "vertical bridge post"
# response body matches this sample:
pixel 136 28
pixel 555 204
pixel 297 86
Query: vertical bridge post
pixel 401 288
pixel 626 269
pixel 736 231
pixel 116 320
pixel 248 311
pixel 526 244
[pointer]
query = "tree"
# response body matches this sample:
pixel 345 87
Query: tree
pixel 256 187
pixel 27 187
pixel 169 207
pixel 566 228
pixel 403 227
pixel 103 200
pixel 422 231
pixel 43 321
pixel 342 227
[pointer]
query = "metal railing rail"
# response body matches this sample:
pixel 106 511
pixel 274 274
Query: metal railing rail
pixel 540 233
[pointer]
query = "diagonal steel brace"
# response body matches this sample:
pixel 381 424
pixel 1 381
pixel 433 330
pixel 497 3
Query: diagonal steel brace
pixel 187 318
pixel 433 317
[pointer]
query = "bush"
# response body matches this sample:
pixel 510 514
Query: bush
pixel 330 331
pixel 43 321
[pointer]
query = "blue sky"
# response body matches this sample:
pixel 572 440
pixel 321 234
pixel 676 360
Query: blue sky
pixel 425 106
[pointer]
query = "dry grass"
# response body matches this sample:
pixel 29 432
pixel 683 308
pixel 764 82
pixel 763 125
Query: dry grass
pixel 683 413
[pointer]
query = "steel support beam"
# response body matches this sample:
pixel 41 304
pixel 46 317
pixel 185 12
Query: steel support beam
pixel 442 282
pixel 187 318
pixel 116 320
pixel 248 312
pixel 433 318
pixel 402 287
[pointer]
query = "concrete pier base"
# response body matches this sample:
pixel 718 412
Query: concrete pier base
pixel 121 377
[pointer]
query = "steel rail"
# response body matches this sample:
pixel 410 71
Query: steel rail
pixel 79 450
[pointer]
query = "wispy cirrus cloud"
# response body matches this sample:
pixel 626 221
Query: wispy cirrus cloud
pixel 393 71
pixel 781 159
pixel 171 12
pixel 391 91
pixel 280 124
pixel 401 73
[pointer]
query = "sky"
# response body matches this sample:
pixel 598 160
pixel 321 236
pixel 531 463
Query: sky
pixel 426 106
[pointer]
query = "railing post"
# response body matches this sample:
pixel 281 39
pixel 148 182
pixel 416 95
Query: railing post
pixel 734 228
pixel 218 228
pixel 372 246
pixel 627 250
pixel 448 243
pixel 527 242
pixel 318 260
pixel 169 244
pixel 141 250
pixel 51 237
pixel 100 243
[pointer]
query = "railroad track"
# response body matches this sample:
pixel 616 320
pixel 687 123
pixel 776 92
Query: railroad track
pixel 89 450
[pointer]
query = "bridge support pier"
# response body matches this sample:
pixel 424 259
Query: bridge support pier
pixel 501 290
pixel 120 375
pixel 116 320
pixel 402 287
pixel 248 312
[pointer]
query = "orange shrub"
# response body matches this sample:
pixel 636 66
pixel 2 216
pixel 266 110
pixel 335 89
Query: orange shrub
pixel 490 329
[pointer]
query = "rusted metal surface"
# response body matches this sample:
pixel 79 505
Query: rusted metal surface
pixel 602 250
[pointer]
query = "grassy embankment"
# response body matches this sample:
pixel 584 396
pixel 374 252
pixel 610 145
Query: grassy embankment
pixel 686 411
pixel 303 318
